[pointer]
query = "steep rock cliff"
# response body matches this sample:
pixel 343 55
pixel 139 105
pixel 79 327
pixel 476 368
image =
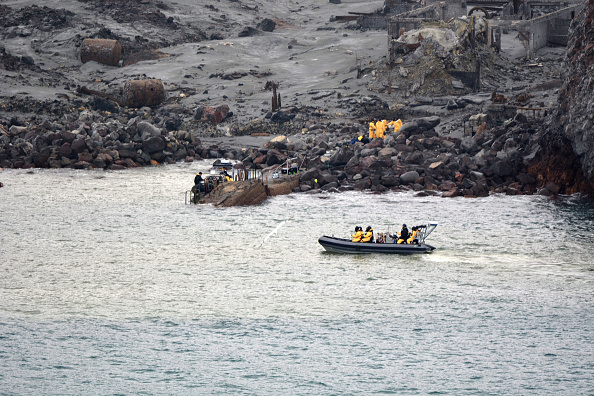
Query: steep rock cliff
pixel 567 155
pixel 576 98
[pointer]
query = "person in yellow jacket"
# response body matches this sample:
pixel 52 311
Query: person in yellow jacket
pixel 358 234
pixel 368 237
pixel 413 235
pixel 371 130
pixel 227 176
pixel 397 124
pixel 380 129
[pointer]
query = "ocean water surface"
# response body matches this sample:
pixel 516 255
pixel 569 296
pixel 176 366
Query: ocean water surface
pixel 111 284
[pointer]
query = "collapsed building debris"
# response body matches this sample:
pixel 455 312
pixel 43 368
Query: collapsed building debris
pixel 436 58
pixel 441 48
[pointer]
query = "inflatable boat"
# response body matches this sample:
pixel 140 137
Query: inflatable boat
pixel 384 243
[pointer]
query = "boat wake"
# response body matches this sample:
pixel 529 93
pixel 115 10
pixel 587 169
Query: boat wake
pixel 274 231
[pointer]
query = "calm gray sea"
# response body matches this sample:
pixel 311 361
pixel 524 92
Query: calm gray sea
pixel 110 284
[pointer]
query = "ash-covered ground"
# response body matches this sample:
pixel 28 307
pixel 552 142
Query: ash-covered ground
pixel 332 77
pixel 198 52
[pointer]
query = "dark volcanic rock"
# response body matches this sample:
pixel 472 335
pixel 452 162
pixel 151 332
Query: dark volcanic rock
pixel 154 144
pixel 281 117
pixel 248 32
pixel 266 25
pixel 341 156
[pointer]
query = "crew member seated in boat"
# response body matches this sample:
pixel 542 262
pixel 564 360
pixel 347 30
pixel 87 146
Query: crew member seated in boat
pixel 227 177
pixel 413 235
pixel 368 237
pixel 403 234
pixel 358 234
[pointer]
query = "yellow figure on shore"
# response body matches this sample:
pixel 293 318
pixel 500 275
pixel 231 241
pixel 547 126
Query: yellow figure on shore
pixel 397 124
pixel 371 130
pixel 380 129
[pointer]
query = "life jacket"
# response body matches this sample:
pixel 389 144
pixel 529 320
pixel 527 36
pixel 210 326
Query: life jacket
pixel 228 178
pixel 357 236
pixel 412 236
pixel 368 236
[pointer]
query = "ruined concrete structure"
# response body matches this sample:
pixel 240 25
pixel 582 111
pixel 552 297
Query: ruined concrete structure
pixel 538 22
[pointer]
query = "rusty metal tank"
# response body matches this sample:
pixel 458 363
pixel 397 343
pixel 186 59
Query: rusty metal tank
pixel 139 93
pixel 108 52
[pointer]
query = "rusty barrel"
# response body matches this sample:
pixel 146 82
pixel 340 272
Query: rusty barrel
pixel 139 93
pixel 103 51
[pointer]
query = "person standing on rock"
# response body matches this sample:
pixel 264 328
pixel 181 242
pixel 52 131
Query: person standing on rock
pixel 380 129
pixel 371 130
pixel 397 124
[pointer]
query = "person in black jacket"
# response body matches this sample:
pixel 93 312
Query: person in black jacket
pixel 198 178
pixel 403 234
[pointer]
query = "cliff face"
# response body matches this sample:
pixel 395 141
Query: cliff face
pixel 577 95
pixel 567 158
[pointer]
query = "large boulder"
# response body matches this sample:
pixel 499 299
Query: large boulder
pixel 147 130
pixel 66 150
pixel 239 193
pixel 409 177
pixel 370 163
pixel 79 145
pixel 248 31
pixel 428 122
pixel 274 157
pixel 180 153
pixel 502 169
pixel 279 142
pixel 68 136
pixel 468 145
pixel 103 160
pixel 409 128
pixel 327 178
pixel 309 175
pixel 153 144
pixel 454 192
pixel 280 117
pixel 341 156
pixel 127 153
pixel 390 180
pixel 266 25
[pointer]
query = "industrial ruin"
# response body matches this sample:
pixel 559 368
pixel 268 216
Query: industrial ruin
pixel 438 47
pixel 538 22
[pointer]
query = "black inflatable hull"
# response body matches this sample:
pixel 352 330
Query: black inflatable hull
pixel 341 245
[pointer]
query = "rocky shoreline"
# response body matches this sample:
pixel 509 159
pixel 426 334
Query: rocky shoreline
pixel 500 160
pixel 464 144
